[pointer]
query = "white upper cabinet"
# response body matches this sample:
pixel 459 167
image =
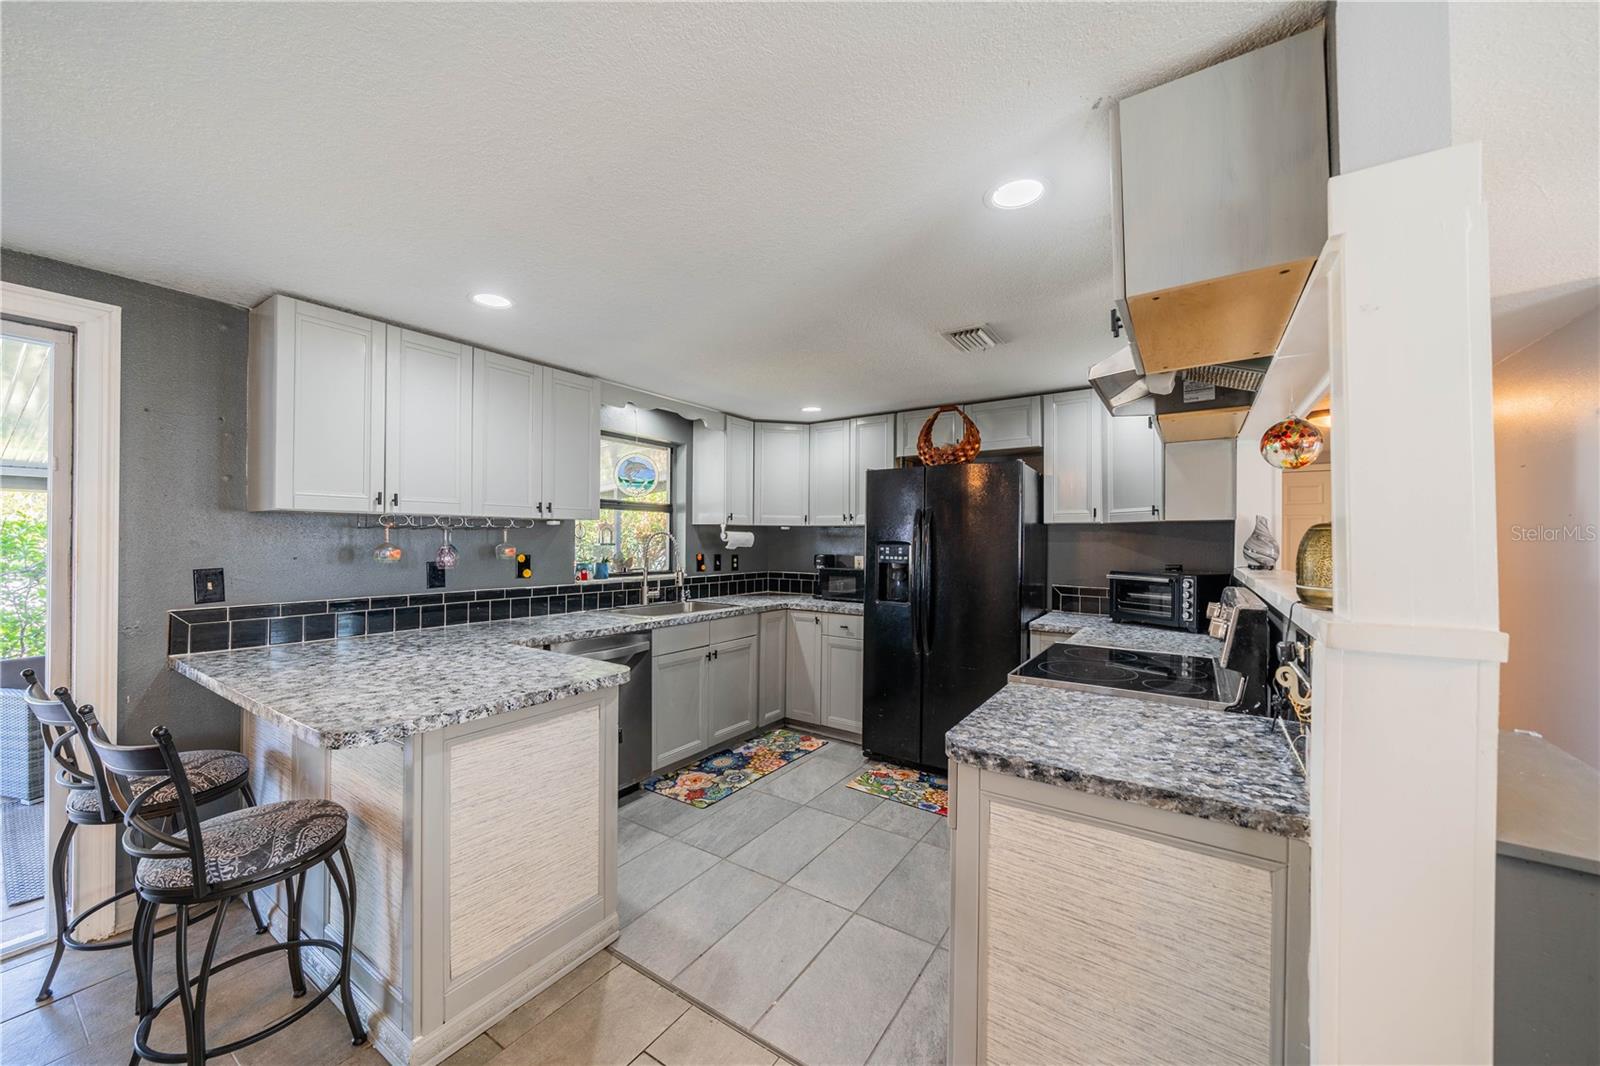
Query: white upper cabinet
pixel 1133 469
pixel 508 436
pixel 1006 425
pixel 1073 435
pixel 1197 482
pixel 350 415
pixel 571 445
pixel 831 476
pixel 1003 425
pixel 428 450
pixel 871 448
pixel 724 474
pixel 741 468
pixel 782 474
pixel 708 495
pixel 316 409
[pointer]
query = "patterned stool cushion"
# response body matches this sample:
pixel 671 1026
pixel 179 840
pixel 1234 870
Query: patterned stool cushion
pixel 208 769
pixel 251 843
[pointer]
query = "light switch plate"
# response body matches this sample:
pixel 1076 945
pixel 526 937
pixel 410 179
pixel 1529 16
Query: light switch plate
pixel 208 586
pixel 435 576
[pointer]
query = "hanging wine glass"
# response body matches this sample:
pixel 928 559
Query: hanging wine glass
pixel 388 551
pixel 445 557
pixel 505 549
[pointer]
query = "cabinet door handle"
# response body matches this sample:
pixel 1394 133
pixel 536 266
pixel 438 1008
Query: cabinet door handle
pixel 549 508
pixel 378 499
pixel 394 499
pixel 713 653
pixel 1153 509
pixel 540 507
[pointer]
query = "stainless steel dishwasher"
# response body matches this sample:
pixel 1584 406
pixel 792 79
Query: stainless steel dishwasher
pixel 633 698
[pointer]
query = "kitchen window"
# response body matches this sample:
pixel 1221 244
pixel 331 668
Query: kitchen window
pixel 635 501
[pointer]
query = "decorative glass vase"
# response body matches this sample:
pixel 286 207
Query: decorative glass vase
pixel 1313 567
pixel 1259 547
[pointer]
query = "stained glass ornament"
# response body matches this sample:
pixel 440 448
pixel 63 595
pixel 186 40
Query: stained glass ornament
pixel 1291 444
pixel 387 552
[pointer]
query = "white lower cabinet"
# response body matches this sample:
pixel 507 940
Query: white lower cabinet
pixel 841 682
pixel 774 644
pixel 803 667
pixel 704 679
pixel 731 693
pixel 677 705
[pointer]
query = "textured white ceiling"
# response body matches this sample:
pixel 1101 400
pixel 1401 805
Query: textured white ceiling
pixel 1525 81
pixel 749 206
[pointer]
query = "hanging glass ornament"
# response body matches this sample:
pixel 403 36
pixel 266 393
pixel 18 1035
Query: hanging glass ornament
pixel 505 549
pixel 387 552
pixel 1291 444
pixel 445 557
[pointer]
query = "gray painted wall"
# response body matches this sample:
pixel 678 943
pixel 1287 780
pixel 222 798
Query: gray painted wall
pixel 1081 555
pixel 1388 82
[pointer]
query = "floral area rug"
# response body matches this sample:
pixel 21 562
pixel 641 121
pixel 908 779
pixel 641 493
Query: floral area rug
pixel 721 775
pixel 924 791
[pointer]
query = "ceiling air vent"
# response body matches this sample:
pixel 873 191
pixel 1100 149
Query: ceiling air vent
pixel 973 339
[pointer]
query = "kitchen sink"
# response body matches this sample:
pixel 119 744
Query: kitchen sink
pixel 675 607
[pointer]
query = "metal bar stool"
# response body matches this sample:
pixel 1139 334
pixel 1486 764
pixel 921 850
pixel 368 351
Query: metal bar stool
pixel 213 863
pixel 214 773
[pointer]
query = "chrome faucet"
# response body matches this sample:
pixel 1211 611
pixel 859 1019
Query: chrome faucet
pixel 645 595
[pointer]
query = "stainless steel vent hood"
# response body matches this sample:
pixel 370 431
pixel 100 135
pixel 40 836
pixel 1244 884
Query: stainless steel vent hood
pixel 1220 188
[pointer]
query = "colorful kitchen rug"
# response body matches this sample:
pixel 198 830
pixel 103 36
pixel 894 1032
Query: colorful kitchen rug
pixel 926 792
pixel 721 775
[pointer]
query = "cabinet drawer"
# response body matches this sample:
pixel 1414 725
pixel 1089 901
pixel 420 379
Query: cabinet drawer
pixel 842 625
pixel 745 625
pixel 669 639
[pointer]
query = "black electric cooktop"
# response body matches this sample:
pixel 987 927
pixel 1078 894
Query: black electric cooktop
pixel 1185 679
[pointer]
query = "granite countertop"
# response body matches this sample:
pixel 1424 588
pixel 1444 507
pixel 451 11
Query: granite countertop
pixel 359 691
pixel 1102 632
pixel 1209 764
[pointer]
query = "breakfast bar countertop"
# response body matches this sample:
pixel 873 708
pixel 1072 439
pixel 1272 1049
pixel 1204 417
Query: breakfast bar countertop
pixel 356 691
pixel 1217 765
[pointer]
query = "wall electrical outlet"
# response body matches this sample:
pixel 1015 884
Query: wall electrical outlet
pixel 208 586
pixel 435 576
pixel 524 569
pixel 716 562
pixel 734 560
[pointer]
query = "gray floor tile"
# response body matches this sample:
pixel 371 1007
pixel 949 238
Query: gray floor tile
pixel 611 1021
pixel 735 821
pixel 654 811
pixel 744 972
pixel 939 834
pixel 916 1037
pixel 656 874
pixel 915 897
pixel 901 818
pixel 510 1028
pixel 781 851
pixel 945 943
pixel 47 1032
pixel 801 781
pixel 698 1039
pixel 845 801
pixel 634 839
pixel 676 931
pixel 850 868
pixel 841 1005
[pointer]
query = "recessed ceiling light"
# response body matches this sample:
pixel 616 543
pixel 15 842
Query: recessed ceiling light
pixel 1015 194
pixel 489 299
pixel 809 410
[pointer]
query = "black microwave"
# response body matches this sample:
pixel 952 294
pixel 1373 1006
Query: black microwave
pixel 839 577
pixel 1171 598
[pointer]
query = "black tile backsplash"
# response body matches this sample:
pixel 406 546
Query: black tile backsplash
pixel 258 625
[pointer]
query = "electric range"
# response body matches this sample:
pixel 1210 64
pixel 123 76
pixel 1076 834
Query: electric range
pixel 1187 680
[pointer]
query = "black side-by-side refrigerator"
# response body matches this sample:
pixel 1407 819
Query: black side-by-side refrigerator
pixel 955 572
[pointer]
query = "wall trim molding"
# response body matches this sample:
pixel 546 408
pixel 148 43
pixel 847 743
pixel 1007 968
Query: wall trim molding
pixel 97 470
